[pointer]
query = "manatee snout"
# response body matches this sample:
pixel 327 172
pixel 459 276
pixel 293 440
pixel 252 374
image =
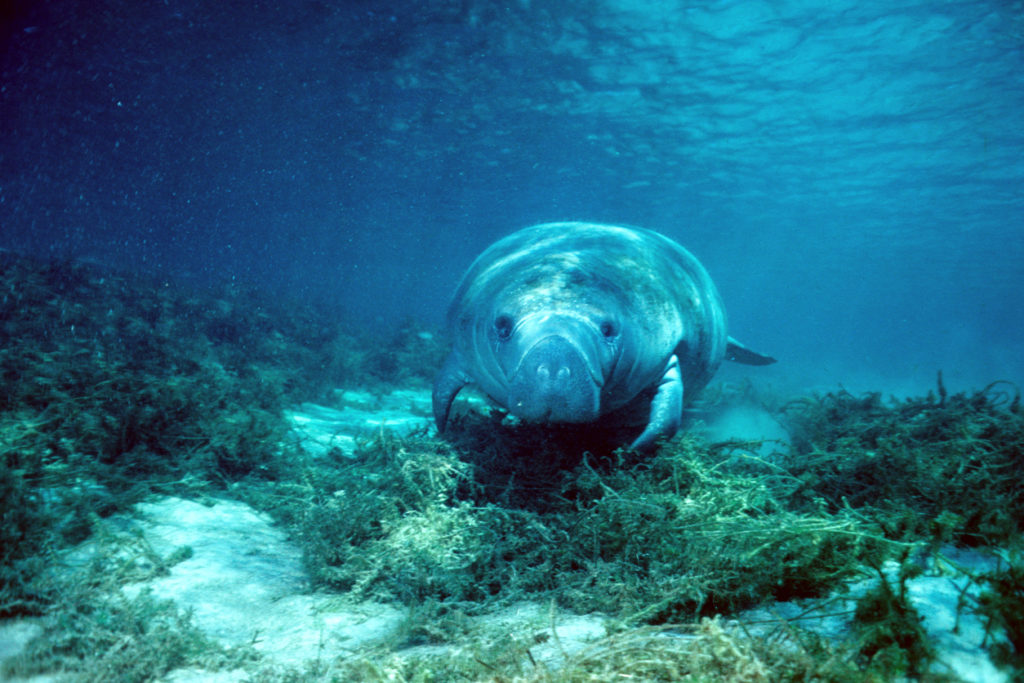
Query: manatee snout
pixel 554 383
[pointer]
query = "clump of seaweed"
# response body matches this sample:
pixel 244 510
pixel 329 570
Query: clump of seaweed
pixel 508 513
pixel 1001 604
pixel 707 650
pixel 940 468
pixel 888 628
pixel 676 536
pixel 400 521
pixel 115 387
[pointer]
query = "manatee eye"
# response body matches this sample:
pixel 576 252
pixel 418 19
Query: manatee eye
pixel 503 327
pixel 608 329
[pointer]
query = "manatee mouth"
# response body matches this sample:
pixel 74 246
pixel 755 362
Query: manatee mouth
pixel 556 381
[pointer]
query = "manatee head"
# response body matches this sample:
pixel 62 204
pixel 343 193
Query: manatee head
pixel 547 343
pixel 553 364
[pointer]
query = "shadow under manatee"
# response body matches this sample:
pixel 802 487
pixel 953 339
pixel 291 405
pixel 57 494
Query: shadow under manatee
pixel 530 466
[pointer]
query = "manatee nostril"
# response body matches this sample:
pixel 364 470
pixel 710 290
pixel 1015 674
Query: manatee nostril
pixel 561 375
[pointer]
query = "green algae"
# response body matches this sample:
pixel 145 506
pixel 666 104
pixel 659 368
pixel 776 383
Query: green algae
pixel 674 536
pixel 1002 605
pixel 888 628
pixel 117 389
pixel 944 469
pixel 110 393
pixel 706 650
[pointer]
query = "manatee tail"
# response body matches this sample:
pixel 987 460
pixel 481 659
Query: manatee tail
pixel 738 353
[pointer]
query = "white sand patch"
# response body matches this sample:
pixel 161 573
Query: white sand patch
pixel 245 584
pixel 745 423
pixel 363 415
pixel 319 429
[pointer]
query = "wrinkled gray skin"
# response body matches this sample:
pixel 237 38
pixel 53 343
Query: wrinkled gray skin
pixel 568 322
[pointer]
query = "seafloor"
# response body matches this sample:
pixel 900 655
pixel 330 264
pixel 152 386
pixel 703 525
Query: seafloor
pixel 212 486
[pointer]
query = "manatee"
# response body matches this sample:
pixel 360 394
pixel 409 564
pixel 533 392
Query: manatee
pixel 581 322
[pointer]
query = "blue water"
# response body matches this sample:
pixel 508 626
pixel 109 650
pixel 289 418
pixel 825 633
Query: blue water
pixel 851 172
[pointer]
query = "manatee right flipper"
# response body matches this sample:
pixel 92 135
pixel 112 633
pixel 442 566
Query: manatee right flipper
pixel 666 409
pixel 738 353
pixel 447 384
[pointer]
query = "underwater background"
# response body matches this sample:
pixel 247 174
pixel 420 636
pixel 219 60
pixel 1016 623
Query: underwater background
pixel 850 172
pixel 228 235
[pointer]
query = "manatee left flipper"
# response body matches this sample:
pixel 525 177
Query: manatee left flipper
pixel 738 353
pixel 666 408
pixel 447 384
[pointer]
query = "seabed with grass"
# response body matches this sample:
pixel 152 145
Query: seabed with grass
pixel 211 486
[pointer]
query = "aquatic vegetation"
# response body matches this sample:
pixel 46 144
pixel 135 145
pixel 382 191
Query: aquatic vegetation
pixel 707 650
pixel 939 468
pixel 888 628
pixel 116 389
pixel 667 538
pixel 513 512
pixel 96 632
pixel 409 357
pixel 1002 604
pixel 113 389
